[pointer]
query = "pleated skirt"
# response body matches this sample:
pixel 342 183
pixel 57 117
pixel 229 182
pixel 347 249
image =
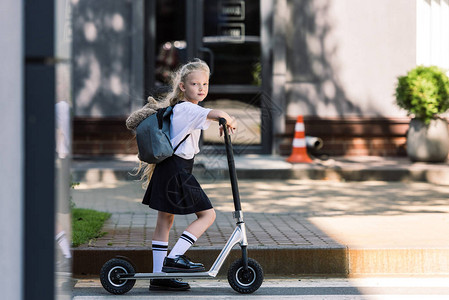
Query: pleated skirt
pixel 173 188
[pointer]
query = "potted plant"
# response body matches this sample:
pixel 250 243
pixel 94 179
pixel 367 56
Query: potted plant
pixel 424 93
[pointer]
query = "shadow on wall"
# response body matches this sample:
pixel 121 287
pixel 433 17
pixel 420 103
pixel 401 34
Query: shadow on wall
pixel 101 57
pixel 312 77
pixel 315 88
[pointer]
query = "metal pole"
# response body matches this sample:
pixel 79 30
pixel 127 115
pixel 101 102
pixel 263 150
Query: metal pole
pixel 39 128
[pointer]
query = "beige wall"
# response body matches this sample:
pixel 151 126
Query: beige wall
pixel 343 57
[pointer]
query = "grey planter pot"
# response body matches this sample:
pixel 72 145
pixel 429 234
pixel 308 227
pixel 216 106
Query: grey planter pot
pixel 428 143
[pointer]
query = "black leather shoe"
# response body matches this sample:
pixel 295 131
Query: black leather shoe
pixel 168 285
pixel 181 264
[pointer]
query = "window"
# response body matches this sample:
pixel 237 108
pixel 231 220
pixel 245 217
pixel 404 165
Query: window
pixel 432 33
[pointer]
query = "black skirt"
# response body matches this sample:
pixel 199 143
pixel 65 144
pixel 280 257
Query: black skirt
pixel 173 188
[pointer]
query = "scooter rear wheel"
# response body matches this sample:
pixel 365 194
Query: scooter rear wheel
pixel 109 276
pixel 245 282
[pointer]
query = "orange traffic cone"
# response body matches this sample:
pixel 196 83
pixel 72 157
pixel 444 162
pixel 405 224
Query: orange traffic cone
pixel 299 151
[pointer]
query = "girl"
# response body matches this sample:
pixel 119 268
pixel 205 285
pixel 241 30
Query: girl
pixel 172 189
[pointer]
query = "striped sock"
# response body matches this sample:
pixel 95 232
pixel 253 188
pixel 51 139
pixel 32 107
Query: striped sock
pixel 183 244
pixel 159 253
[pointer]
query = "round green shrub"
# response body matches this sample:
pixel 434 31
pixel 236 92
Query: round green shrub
pixel 423 92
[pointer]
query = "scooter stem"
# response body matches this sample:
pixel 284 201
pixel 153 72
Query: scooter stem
pixel 238 215
pixel 231 165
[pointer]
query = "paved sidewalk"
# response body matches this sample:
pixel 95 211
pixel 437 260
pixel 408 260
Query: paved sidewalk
pixel 320 227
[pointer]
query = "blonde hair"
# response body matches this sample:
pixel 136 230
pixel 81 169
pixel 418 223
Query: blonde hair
pixel 176 95
pixel 172 98
pixel 147 172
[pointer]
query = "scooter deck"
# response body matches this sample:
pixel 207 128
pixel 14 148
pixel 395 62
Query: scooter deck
pixel 207 274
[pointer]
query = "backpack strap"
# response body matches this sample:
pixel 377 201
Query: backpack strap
pixel 185 138
pixel 160 116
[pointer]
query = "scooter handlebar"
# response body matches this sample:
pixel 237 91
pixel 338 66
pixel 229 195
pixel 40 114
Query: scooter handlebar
pixel 222 121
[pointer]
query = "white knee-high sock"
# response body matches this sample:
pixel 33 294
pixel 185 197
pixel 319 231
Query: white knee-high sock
pixel 159 253
pixel 183 244
pixel 63 243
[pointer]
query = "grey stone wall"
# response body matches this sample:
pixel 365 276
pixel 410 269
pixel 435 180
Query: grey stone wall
pixel 105 80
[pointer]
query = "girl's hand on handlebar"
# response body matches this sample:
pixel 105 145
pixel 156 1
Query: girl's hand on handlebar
pixel 232 126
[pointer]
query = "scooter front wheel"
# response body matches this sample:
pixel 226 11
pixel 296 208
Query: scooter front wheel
pixel 245 282
pixel 110 276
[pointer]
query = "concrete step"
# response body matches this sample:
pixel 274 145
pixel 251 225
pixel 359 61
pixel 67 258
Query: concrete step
pixel 85 169
pixel 290 261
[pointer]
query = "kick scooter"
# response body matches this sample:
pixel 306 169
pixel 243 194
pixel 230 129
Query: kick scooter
pixel 245 275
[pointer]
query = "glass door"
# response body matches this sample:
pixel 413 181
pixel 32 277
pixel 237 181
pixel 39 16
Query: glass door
pixel 231 38
pixel 166 42
pixel 227 35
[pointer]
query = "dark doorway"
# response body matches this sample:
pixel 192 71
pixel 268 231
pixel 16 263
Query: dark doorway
pixel 227 35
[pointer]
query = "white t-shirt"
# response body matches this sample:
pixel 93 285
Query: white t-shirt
pixel 188 118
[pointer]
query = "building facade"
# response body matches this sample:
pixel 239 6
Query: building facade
pixel 333 62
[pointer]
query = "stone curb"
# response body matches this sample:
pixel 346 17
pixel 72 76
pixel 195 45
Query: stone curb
pixel 385 174
pixel 275 167
pixel 290 261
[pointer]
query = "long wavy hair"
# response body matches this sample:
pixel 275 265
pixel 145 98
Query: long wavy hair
pixel 171 98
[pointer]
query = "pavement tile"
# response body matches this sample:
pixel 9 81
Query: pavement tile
pixel 317 213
